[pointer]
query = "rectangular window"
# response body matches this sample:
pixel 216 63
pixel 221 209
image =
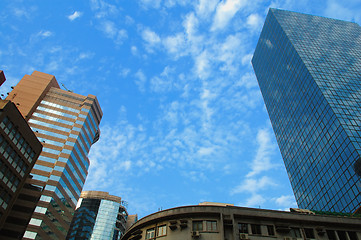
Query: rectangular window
pixel 162 231
pixel 342 235
pixel 243 227
pixel 256 228
pixel 150 234
pixel 352 235
pixel 197 225
pixel 309 233
pixel 295 233
pixel 271 230
pixel 211 225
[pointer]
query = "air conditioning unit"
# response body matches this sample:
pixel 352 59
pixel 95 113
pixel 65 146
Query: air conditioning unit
pixel 196 234
pixel 243 236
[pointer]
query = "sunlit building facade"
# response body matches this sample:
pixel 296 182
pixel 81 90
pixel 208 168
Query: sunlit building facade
pixel 223 221
pixel 66 123
pixel 98 216
pixel 309 71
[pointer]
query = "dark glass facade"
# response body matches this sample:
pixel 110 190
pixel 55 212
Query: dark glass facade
pixel 309 71
pixel 98 216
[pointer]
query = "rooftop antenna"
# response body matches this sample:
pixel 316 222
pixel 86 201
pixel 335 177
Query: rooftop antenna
pixel 66 87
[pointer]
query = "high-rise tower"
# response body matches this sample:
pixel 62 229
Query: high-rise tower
pixel 98 216
pixel 67 125
pixel 309 72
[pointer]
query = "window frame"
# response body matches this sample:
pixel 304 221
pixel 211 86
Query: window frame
pixel 200 223
pixel 211 225
pixel 150 231
pixel 164 230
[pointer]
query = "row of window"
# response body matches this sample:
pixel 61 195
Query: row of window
pixel 308 233
pixel 4 198
pixel 8 177
pixel 15 136
pixel 255 229
pixel 10 155
pixel 206 226
pixel 156 232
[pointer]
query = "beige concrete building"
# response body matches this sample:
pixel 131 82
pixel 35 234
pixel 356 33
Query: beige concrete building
pixel 227 222
pixel 67 124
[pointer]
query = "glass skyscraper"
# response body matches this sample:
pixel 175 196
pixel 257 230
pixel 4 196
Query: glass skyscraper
pixel 98 216
pixel 66 123
pixel 309 71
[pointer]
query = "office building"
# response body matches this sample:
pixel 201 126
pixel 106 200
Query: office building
pixel 66 123
pixel 19 149
pixel 98 216
pixel 2 77
pixel 224 221
pixel 309 72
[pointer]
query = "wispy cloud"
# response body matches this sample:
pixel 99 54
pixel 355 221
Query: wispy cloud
pixel 151 38
pixel 163 82
pixel 262 160
pixel 103 9
pixel 150 3
pixel 255 21
pixel 140 80
pixel 206 7
pixel 253 185
pixel 45 34
pixel 286 201
pixel 225 12
pixel 110 29
pixel 75 15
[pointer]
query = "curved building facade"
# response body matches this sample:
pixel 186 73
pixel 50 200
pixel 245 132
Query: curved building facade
pixel 98 216
pixel 226 222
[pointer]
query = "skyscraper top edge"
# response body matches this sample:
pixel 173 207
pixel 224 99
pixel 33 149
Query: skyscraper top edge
pixel 277 10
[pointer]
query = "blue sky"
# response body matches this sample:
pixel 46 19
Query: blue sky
pixel 184 120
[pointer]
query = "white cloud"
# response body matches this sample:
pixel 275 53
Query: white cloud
pixel 246 59
pixel 230 53
pixel 111 31
pixel 225 12
pixel 195 176
pixel 140 80
pixel 150 3
pixel 52 67
pixel 21 12
pixel 176 45
pixel 253 185
pixel 206 7
pixel 134 50
pixel 286 201
pixel 203 151
pixel 85 55
pixel 44 34
pixel 348 10
pixel 163 82
pixel 75 15
pixel 262 160
pixel 202 65
pixel 248 81
pixel 191 24
pixel 103 9
pixel 150 37
pixel 255 21
pixel 256 200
